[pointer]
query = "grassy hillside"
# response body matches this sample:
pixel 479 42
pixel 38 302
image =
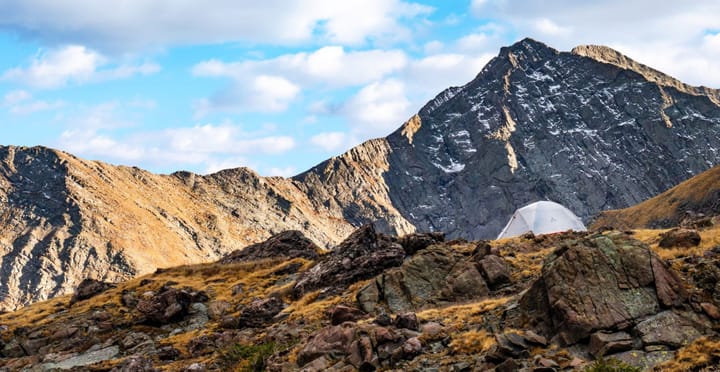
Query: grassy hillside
pixel 700 194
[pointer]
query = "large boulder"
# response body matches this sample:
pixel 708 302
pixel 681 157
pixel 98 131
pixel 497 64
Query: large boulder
pixel 436 275
pixel 682 238
pixel 364 254
pixel 169 304
pixel 601 282
pixel 89 288
pixel 288 244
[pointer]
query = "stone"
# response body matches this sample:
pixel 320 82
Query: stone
pixel 260 311
pixel 482 249
pixel 330 341
pixel 597 282
pixel 643 360
pixel 508 365
pixel 411 348
pixel 217 309
pixel 667 328
pixel 362 255
pixel 407 321
pixel 435 275
pixel 412 243
pixel 167 353
pixel 341 314
pixel 361 354
pixel 195 367
pixel 432 331
pixel 710 310
pixel 679 238
pixel 287 244
pixel 383 319
pixel 535 338
pixel 602 343
pixel 84 359
pixel 168 305
pixel 135 363
pixel 368 297
pixel 495 270
pixel 89 288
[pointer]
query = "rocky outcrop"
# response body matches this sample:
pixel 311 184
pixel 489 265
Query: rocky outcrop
pixel 364 254
pixel 435 276
pixel 600 283
pixel 89 288
pixel 287 244
pixel 168 305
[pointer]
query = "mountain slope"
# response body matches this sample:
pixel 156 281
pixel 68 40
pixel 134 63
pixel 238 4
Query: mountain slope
pixel 590 129
pixel 64 219
pixel 700 194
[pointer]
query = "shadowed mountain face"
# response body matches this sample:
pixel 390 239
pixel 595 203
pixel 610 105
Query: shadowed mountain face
pixel 590 129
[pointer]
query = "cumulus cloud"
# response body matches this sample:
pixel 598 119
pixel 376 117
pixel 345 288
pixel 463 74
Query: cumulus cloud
pixel 134 24
pixel 71 64
pixel 378 108
pixel 675 37
pixel 97 132
pixel 329 66
pixel 270 85
pixel 261 93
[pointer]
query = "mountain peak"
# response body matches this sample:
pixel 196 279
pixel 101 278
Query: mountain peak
pixel 529 47
pixel 605 54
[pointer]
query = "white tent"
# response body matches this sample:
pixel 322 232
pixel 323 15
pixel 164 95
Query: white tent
pixel 543 217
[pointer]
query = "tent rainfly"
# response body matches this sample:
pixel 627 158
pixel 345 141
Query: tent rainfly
pixel 543 217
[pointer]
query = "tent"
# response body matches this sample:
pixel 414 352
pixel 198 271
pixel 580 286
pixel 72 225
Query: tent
pixel 543 217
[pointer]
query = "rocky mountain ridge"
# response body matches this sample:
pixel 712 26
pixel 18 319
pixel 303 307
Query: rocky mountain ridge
pixel 590 129
pixel 562 302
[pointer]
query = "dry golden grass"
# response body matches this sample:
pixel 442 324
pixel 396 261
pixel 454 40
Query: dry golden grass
pixel 460 317
pixel 710 238
pixel 701 353
pixel 472 342
pixel 216 279
pixel 664 206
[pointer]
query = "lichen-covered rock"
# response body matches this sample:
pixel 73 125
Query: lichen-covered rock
pixel 599 282
pixel 667 328
pixel 435 275
pixel 364 254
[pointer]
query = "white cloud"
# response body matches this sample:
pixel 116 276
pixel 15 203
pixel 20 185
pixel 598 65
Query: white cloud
pixel 674 37
pixel 71 64
pixel 271 85
pixel 262 93
pixel 99 132
pixel 20 102
pixel 135 24
pixel 330 141
pixel 328 66
pixel 16 96
pixel 378 108
pixel 547 27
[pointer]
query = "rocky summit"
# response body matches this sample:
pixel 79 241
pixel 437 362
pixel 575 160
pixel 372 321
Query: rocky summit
pixel 590 129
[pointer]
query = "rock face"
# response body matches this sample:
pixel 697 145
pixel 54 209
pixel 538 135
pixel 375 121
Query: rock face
pixel 590 129
pixel 288 244
pixel 364 254
pixel 600 283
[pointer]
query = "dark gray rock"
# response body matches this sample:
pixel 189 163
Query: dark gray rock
pixel 667 328
pixel 288 244
pixel 602 343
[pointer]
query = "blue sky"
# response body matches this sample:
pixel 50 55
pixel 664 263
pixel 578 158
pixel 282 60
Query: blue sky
pixel 281 85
